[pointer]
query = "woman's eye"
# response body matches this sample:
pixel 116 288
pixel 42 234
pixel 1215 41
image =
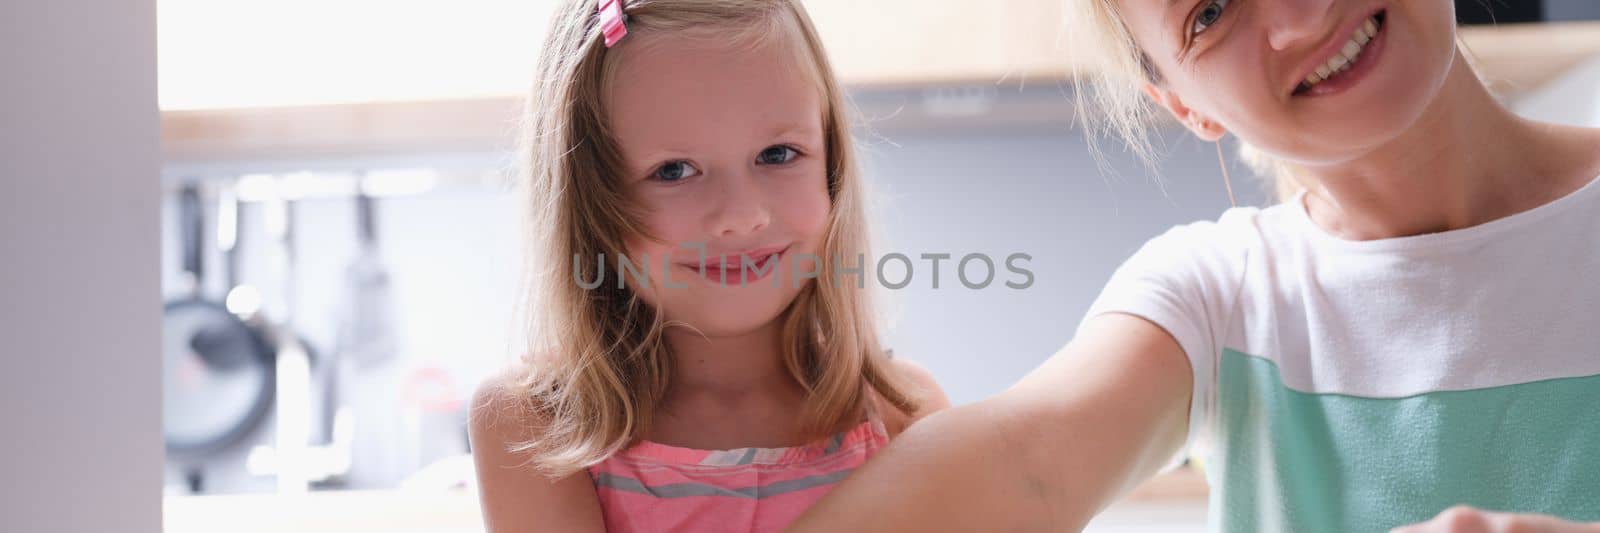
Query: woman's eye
pixel 777 155
pixel 675 171
pixel 1208 15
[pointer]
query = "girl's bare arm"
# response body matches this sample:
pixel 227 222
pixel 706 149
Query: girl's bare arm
pixel 515 498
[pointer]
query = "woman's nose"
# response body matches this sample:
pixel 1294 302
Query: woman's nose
pixel 1293 23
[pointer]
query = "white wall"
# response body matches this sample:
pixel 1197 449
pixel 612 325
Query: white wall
pixel 79 380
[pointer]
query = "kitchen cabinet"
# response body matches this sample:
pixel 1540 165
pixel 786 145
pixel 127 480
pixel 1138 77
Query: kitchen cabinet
pixel 880 47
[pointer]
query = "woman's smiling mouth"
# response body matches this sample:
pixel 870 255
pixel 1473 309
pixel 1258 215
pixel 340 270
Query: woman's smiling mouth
pixel 1347 62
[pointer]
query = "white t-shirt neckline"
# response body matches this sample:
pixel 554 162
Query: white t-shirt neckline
pixel 1322 238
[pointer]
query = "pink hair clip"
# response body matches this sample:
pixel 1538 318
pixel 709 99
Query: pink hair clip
pixel 611 21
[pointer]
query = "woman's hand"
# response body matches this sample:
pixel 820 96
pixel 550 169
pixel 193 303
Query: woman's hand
pixel 1469 520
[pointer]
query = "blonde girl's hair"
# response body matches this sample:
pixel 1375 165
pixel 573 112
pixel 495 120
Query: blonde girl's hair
pixel 1110 103
pixel 599 366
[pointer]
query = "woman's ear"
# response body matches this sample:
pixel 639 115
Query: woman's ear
pixel 1204 128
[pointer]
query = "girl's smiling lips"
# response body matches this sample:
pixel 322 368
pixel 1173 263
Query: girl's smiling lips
pixel 731 266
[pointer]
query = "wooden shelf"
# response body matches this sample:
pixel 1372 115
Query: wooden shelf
pixel 910 42
pixel 311 132
pixel 877 46
pixel 1516 58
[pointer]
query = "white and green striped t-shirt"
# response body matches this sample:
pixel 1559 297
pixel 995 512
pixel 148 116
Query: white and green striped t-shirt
pixel 1358 386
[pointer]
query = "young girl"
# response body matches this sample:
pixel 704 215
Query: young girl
pixel 1416 328
pixel 691 169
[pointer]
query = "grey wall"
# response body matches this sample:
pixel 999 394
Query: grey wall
pixel 958 171
pixel 1573 98
pixel 1572 10
pixel 1037 192
pixel 79 380
pixel 939 189
pixel 1033 190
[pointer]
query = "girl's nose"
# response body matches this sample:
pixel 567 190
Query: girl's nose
pixel 742 207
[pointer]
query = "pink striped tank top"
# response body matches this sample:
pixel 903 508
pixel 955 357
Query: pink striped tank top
pixel 652 487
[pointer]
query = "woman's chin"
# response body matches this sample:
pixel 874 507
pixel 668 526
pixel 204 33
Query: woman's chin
pixel 1330 136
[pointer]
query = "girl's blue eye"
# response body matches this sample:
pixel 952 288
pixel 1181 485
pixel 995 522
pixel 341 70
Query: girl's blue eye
pixel 675 171
pixel 777 155
pixel 1208 15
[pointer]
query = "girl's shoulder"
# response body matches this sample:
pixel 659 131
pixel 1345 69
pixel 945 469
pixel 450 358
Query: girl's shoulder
pixel 502 407
pixel 514 494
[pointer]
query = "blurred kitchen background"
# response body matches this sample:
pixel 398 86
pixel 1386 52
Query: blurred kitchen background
pixel 340 246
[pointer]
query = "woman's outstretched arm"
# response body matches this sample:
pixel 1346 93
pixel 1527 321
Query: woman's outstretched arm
pixel 1102 415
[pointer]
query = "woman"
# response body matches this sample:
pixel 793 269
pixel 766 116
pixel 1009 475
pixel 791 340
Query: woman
pixel 1411 330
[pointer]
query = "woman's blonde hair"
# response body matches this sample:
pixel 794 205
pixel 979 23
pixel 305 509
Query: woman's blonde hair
pixel 599 365
pixel 1110 102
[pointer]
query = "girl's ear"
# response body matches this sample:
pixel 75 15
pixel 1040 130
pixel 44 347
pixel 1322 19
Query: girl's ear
pixel 1204 128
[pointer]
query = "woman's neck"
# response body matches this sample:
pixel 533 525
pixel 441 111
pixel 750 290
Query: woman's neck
pixel 1467 160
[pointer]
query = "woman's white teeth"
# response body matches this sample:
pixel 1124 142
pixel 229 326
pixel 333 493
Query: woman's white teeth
pixel 1351 49
pixel 1341 59
pixel 1347 55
